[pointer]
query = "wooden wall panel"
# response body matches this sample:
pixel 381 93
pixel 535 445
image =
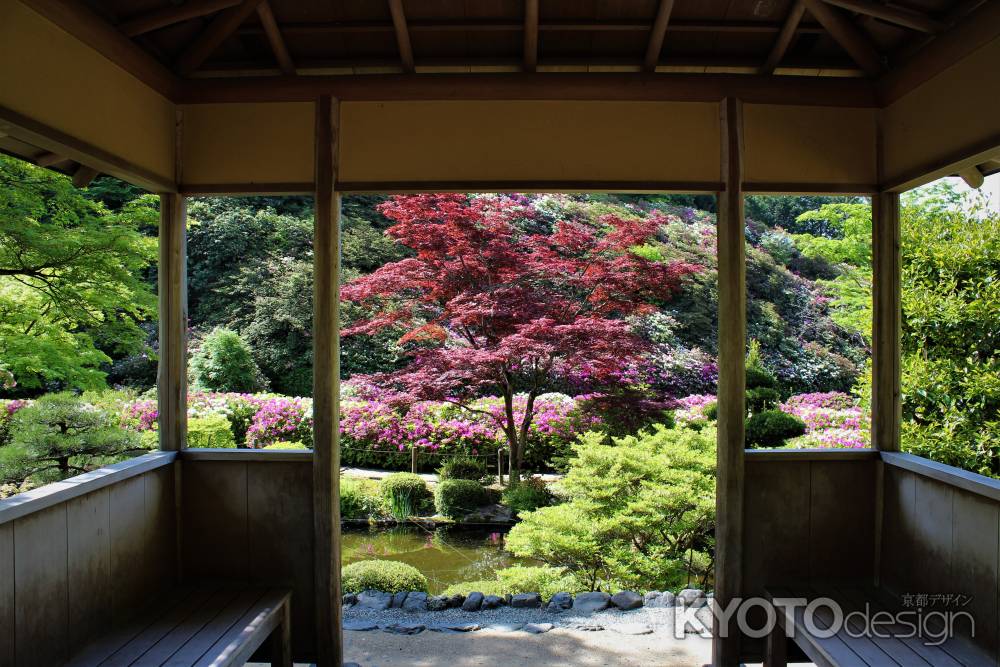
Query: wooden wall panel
pixel 6 595
pixel 842 538
pixel 41 615
pixel 898 572
pixel 932 536
pixel 215 542
pixel 88 522
pixel 974 562
pixel 161 528
pixel 280 511
pixel 128 552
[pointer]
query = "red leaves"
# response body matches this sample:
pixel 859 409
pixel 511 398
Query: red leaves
pixel 488 302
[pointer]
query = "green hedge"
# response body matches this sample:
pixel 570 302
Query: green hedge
pixel 454 498
pixel 210 431
pixel 463 467
pixel 546 581
pixel 388 576
pixel 771 428
pixel 527 496
pixel 359 499
pixel 406 494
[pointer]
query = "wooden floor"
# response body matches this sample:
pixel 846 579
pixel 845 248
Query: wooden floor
pixel 204 626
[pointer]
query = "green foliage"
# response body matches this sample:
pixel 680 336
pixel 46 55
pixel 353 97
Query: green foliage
pixel 759 398
pixel 223 363
pixel 770 428
pixel 786 211
pixel 210 431
pixel 527 496
pixel 455 498
pixel 59 436
pixel 463 467
pixel 71 284
pixel 406 494
pixel 287 446
pixel 388 576
pixel 359 499
pixel 546 581
pixel 640 512
pixel 711 411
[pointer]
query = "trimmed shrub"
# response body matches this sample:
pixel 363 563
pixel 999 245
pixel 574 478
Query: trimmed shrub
pixel 547 581
pixel 463 467
pixel 527 496
pixel 454 498
pixel 359 499
pixel 210 431
pixel 711 411
pixel 287 445
pixel 224 363
pixel 758 377
pixel 762 398
pixel 388 576
pixel 406 494
pixel 771 428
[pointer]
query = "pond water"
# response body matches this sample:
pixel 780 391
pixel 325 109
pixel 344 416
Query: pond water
pixel 446 556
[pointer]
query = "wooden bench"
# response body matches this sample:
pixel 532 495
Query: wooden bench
pixel 198 627
pixel 847 649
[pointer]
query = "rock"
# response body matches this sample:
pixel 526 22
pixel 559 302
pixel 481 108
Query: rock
pixel 360 625
pixel 490 514
pixel 626 600
pixel 453 627
pixel 350 598
pixel 691 596
pixel 560 602
pixel 376 600
pixel 666 599
pixel 437 603
pixel 416 601
pixel 505 627
pixel 587 626
pixel 591 602
pixel 651 595
pixel 526 601
pixel 351 664
pixel 398 599
pixel 404 628
pixel 456 601
pixel 473 602
pixel 492 601
pixel 537 628
pixel 633 629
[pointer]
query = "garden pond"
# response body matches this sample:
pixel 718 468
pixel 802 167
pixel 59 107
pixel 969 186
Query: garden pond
pixel 445 555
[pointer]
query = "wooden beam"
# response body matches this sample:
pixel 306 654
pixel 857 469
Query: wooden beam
pixel 886 316
pixel 84 176
pixel 49 159
pixel 171 14
pixel 326 386
pixel 837 91
pixel 890 14
pixel 171 375
pixel 402 35
pixel 848 35
pixel 80 22
pixel 530 35
pixel 656 35
pixel 785 37
pixel 274 38
pixel 972 176
pixel 221 27
pixel 731 397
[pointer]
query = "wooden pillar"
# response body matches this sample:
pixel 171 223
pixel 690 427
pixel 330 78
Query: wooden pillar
pixel 326 387
pixel 732 380
pixel 171 375
pixel 886 318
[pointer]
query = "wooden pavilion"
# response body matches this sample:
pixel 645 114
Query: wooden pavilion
pixel 190 97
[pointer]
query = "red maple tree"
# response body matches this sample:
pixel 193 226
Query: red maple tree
pixel 489 307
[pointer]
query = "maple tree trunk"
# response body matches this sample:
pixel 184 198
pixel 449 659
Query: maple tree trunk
pixel 513 443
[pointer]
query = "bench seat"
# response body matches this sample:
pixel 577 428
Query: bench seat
pixel 847 649
pixel 203 626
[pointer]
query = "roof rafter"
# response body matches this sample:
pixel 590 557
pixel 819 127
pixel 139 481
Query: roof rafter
pixel 221 27
pixel 896 15
pixel 402 35
pixel 171 14
pixel 530 35
pixel 785 38
pixel 274 38
pixel 656 35
pixel 84 176
pixel 848 35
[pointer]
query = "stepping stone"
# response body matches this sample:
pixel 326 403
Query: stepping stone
pixel 454 627
pixel 360 625
pixel 633 629
pixel 587 627
pixel 537 628
pixel 404 628
pixel 505 627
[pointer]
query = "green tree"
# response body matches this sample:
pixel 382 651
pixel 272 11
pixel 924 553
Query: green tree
pixel 224 362
pixel 70 274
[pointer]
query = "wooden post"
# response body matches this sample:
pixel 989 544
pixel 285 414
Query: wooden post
pixel 413 459
pixel 886 410
pixel 171 375
pixel 326 387
pixel 732 380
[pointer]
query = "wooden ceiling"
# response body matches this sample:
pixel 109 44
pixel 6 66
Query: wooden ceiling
pixel 255 38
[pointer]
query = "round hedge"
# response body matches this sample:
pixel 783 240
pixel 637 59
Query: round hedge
pixel 388 576
pixel 463 467
pixel 771 428
pixel 454 498
pixel 405 488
